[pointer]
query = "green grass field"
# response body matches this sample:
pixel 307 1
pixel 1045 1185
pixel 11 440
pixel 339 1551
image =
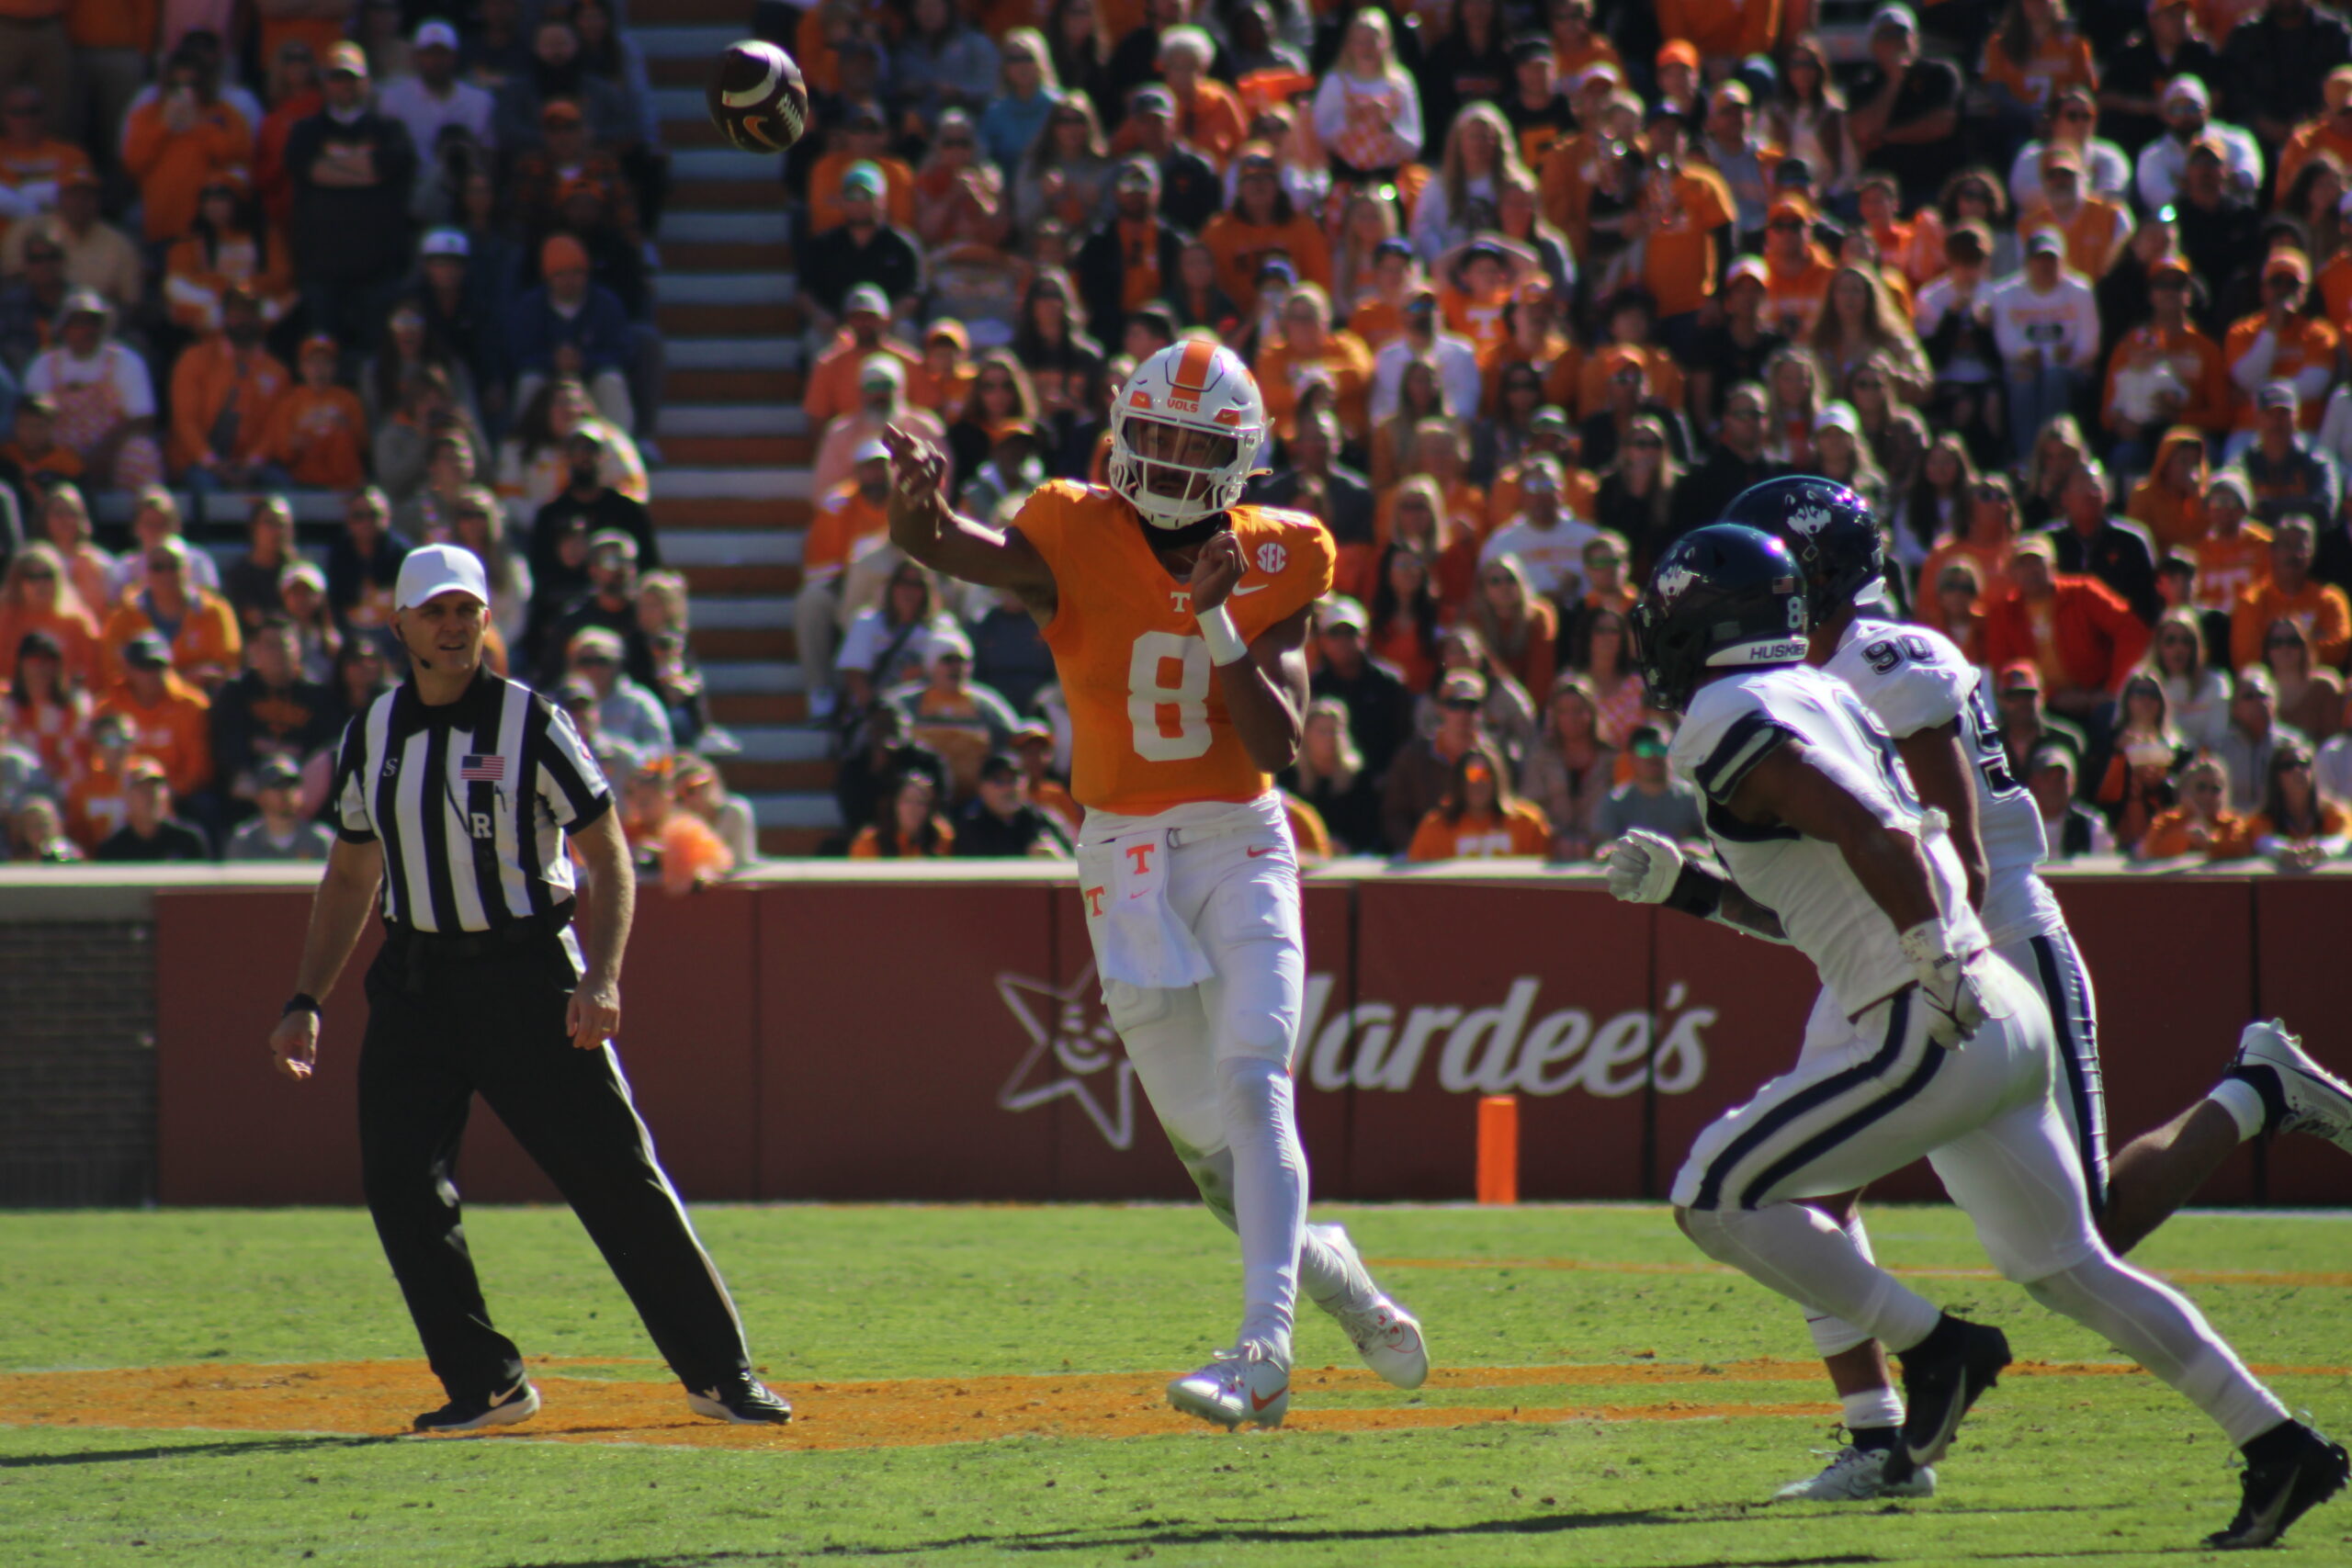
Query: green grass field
pixel 2100 1469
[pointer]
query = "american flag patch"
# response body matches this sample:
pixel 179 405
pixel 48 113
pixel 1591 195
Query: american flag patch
pixel 490 769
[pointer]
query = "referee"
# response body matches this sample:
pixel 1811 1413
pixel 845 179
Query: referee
pixel 455 793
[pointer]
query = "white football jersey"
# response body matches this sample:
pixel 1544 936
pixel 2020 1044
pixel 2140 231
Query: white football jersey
pixel 1735 723
pixel 1914 678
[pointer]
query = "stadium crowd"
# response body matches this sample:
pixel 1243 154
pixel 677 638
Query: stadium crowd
pixel 379 268
pixel 1533 288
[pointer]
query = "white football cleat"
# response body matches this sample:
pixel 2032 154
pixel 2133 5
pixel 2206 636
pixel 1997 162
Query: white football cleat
pixel 1237 1387
pixel 1388 1337
pixel 1856 1475
pixel 2301 1095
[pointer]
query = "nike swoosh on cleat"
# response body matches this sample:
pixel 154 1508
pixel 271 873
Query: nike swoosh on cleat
pixel 1257 1403
pixel 1254 851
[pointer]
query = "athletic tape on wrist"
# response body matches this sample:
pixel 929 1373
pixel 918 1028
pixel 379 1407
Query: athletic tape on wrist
pixel 1697 891
pixel 1223 636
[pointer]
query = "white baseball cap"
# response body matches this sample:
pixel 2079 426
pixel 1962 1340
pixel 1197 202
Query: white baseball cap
pixel 436 34
pixel 448 243
pixel 430 570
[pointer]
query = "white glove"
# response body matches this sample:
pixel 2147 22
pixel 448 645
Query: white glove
pixel 1643 866
pixel 1950 985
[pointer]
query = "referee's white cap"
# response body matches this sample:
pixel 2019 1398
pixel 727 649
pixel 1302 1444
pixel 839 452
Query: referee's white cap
pixel 431 570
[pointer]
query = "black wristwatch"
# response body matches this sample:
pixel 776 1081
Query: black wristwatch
pixel 302 1002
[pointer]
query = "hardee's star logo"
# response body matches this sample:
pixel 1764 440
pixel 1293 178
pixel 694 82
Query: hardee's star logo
pixel 1069 1026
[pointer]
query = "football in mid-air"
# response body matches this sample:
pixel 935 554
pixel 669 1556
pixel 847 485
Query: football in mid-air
pixel 756 97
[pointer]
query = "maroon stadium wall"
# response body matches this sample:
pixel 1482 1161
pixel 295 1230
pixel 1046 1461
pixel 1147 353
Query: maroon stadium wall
pixel 908 1037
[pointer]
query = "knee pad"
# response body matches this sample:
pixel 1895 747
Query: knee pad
pixel 1253 1091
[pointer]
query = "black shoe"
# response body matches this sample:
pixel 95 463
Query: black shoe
pixel 2284 1490
pixel 1942 1375
pixel 518 1403
pixel 745 1400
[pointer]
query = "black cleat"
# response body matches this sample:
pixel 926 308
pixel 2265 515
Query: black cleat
pixel 2284 1490
pixel 745 1400
pixel 517 1404
pixel 1942 1375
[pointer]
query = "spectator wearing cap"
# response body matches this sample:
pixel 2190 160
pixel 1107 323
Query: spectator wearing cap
pixel 1262 222
pixel 91 252
pixel 2045 323
pixel 626 711
pixel 2221 234
pixel 941 381
pixel 2277 62
pixel 1652 798
pixel 2187 111
pixel 609 601
pixel 168 719
pixel 1904 108
pixel 1739 460
pixel 1002 822
pixel 279 829
pixel 270 713
pixel 316 428
pixel 2280 344
pixel 2097 229
pixel 1131 257
pixel 228 245
pixel 1190 191
pixel 2027 726
pixel 224 389
pixel 2163 372
pixel 881 400
pixel 1379 703
pixel 1015 466
pixel 1548 543
pixel 571 325
pixel 1426 340
pixel 464 305
pixel 1423 768
pixel 861 248
pixel 567 153
pixel 1722 33
pixel 2133 75
pixel 149 834
pixel 364 561
pixel 2290 593
pixel 2285 470
pixel 860 133
pixel 2079 632
pixel 952 714
pixel 2071 828
pixel 1368 110
pixel 104 396
pixel 353 171
pixel 1532 99
pixel 174 141
pixel 2089 541
pixel 588 505
pixel 1797 268
pixel 554 73
pixel 195 622
pixel 435 99
pixel 833 385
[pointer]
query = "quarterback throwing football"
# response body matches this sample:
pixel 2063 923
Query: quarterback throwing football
pixel 1177 621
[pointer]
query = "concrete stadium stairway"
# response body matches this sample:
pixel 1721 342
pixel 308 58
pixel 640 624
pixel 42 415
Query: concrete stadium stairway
pixel 732 498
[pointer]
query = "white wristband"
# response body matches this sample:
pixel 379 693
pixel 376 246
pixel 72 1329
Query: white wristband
pixel 1224 639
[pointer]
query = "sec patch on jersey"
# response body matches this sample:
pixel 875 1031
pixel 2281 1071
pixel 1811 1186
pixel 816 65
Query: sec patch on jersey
pixel 756 97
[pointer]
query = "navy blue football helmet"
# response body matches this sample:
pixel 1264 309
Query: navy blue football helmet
pixel 1832 532
pixel 1722 597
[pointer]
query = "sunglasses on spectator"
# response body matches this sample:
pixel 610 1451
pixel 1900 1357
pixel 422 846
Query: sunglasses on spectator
pixel 2205 788
pixel 1646 443
pixel 1872 385
pixel 1992 492
pixel 956 142
pixel 1744 414
pixel 163 563
pixel 38 574
pixel 2176 640
pixel 1460 705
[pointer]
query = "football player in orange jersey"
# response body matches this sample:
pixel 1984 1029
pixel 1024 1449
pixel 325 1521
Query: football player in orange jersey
pixel 1178 622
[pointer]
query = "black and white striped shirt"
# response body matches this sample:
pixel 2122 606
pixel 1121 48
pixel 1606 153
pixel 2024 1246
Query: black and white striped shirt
pixel 470 801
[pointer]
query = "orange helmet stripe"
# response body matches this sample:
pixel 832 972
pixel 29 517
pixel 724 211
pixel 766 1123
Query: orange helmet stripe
pixel 1191 374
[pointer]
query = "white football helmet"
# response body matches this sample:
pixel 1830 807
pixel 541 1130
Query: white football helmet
pixel 1185 432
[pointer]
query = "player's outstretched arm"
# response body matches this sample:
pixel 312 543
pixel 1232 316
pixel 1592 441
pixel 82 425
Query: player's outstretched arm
pixel 1264 681
pixel 927 528
pixel 1939 769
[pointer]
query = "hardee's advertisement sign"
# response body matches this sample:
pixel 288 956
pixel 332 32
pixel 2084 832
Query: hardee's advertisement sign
pixel 847 1033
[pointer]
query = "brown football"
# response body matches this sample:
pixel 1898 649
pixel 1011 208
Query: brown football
pixel 756 97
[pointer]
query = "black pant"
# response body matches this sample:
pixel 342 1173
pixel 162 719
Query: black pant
pixel 441 1029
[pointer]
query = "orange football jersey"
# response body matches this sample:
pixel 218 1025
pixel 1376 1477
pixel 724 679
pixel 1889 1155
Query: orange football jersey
pixel 1151 729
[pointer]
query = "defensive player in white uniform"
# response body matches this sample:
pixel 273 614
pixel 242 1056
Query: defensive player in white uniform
pixel 1925 1043
pixel 1927 696
pixel 1177 620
